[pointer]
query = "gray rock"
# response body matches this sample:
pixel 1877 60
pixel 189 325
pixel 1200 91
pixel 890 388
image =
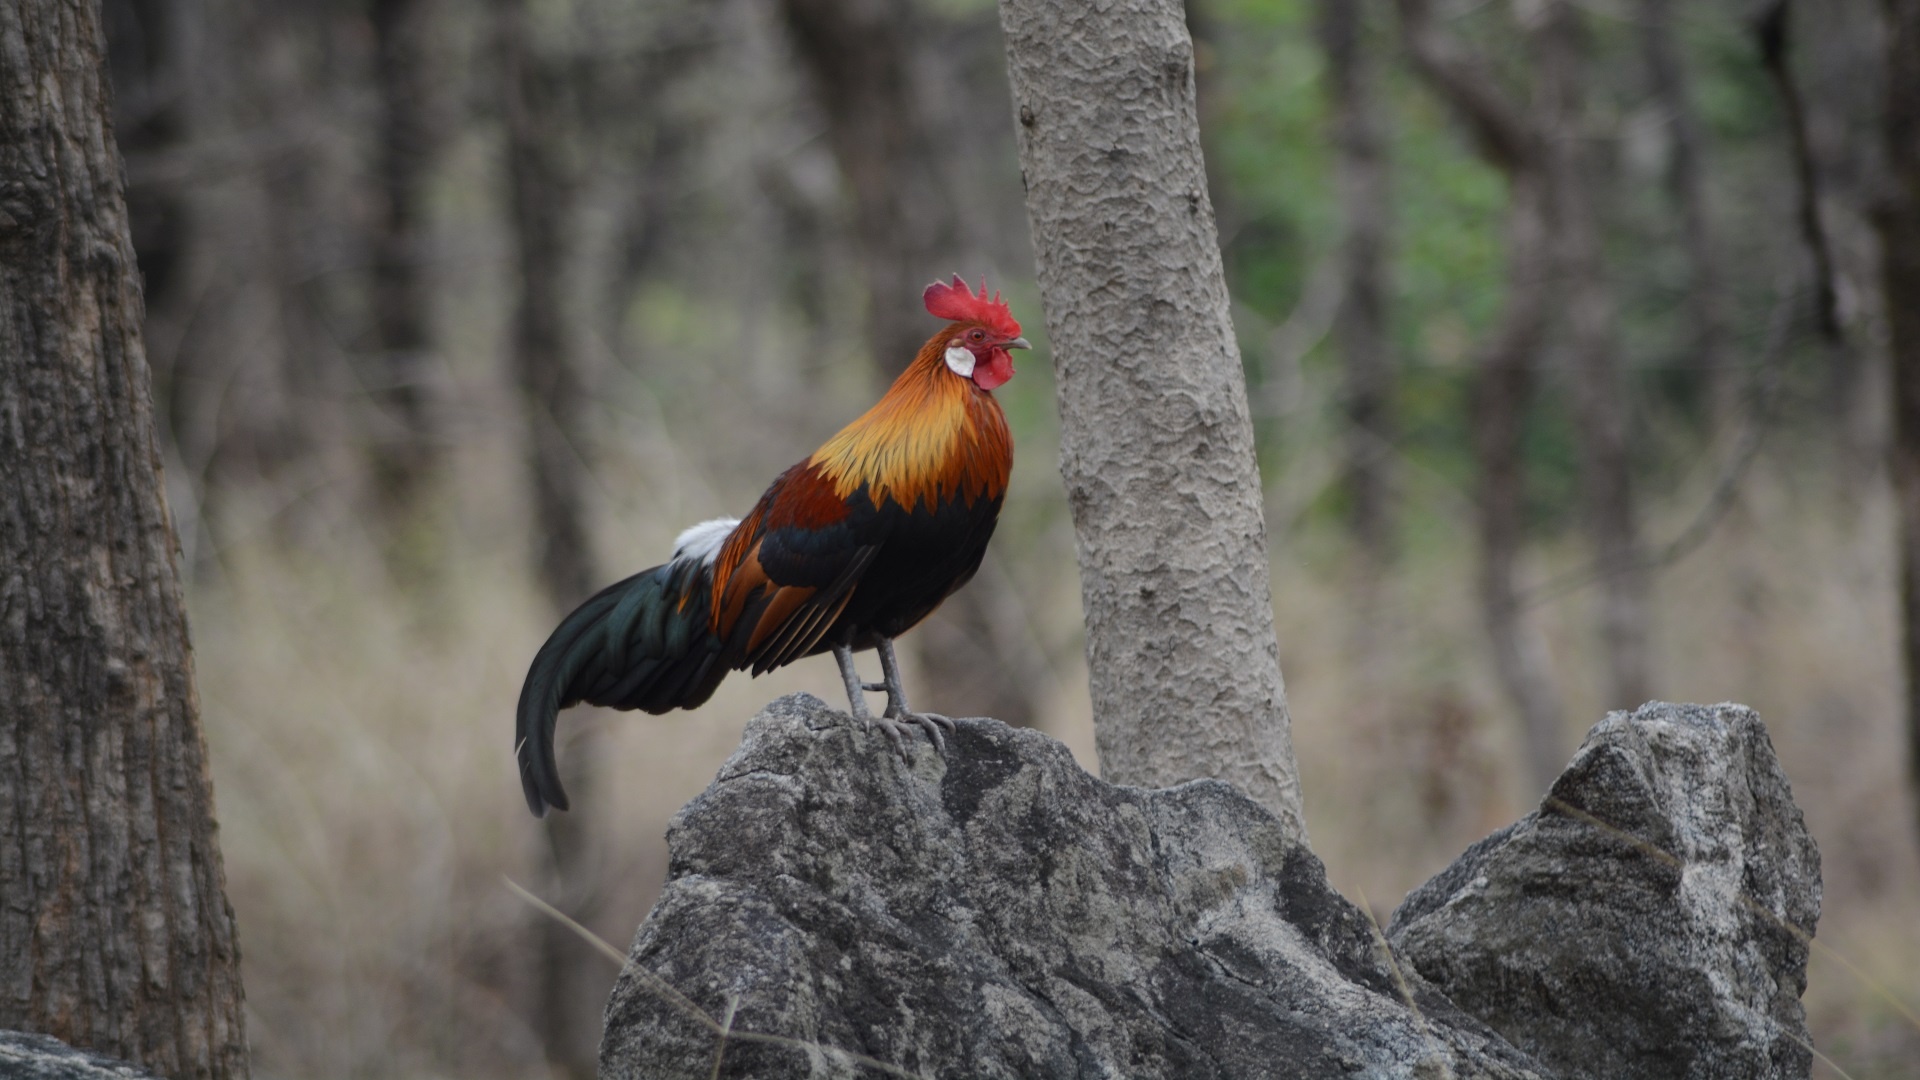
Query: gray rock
pixel 25 1056
pixel 1650 920
pixel 1002 913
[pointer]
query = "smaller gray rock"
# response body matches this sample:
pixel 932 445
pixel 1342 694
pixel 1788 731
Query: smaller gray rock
pixel 25 1056
pixel 1650 920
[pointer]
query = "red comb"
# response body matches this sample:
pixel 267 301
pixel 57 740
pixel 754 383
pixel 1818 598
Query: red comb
pixel 954 302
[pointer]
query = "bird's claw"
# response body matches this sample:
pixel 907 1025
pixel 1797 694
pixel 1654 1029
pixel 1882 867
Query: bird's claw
pixel 876 687
pixel 933 724
pixel 894 730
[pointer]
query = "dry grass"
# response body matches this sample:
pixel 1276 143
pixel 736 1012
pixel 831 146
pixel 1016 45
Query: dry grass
pixel 360 739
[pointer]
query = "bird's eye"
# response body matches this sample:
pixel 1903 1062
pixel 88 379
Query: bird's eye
pixel 977 335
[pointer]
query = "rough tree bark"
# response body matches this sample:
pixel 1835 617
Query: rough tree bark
pixel 1599 387
pixel 1156 445
pixel 572 985
pixel 860 58
pixel 1504 135
pixel 116 934
pixel 1360 326
pixel 1897 219
pixel 405 450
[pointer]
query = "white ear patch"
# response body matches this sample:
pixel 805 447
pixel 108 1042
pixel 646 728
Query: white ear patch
pixel 961 361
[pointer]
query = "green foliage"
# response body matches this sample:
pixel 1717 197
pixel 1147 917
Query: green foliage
pixel 1268 125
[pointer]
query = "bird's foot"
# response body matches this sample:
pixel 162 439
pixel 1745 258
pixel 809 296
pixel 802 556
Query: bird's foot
pixel 895 731
pixel 935 725
pixel 876 687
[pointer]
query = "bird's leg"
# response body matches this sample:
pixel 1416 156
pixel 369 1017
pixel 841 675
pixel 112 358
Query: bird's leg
pixel 843 655
pixel 897 708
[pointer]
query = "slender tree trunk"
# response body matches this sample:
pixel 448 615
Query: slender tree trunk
pixel 1774 32
pixel 542 197
pixel 1898 222
pixel 405 446
pixel 1686 178
pixel 1599 389
pixel 1507 138
pixel 1156 445
pixel 116 934
pixel 572 987
pixel 1502 391
pixel 1360 326
pixel 860 57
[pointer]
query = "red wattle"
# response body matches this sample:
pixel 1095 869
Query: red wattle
pixel 998 369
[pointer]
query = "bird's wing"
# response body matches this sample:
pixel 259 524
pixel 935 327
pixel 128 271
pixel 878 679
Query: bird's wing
pixel 788 571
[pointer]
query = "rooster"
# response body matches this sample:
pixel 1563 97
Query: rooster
pixel 846 551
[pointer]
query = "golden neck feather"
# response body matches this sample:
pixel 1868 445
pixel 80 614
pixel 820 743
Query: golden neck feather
pixel 933 435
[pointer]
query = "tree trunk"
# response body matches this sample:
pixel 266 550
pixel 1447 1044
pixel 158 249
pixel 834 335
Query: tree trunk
pixel 1599 390
pixel 1773 28
pixel 1898 222
pixel 1506 137
pixel 116 934
pixel 1502 390
pixel 551 392
pixel 572 984
pixel 405 445
pixel 1686 177
pixel 1156 446
pixel 1360 325
pixel 860 57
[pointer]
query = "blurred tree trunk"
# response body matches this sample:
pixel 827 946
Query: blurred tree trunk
pixel 1686 178
pixel 1505 136
pixel 1599 389
pixel 860 56
pixel 860 59
pixel 1773 29
pixel 1501 395
pixel 116 934
pixel 308 423
pixel 572 985
pixel 542 195
pixel 1156 445
pixel 1897 219
pixel 405 446
pixel 1360 325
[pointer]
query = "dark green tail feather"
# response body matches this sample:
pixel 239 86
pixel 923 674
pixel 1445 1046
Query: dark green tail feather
pixel 634 645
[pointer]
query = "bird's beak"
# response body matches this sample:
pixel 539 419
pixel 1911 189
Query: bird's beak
pixel 1016 343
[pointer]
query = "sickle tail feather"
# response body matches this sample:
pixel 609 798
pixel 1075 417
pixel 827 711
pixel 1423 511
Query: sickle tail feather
pixel 642 643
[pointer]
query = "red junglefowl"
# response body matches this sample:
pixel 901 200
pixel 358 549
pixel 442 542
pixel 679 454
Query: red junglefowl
pixel 847 550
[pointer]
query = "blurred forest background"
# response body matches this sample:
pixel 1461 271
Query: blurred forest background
pixel 1563 336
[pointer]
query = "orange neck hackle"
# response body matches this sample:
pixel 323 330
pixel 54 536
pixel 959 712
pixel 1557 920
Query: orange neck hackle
pixel 933 436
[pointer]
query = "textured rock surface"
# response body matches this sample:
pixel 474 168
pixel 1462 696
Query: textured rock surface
pixel 41 1057
pixel 1650 920
pixel 1003 914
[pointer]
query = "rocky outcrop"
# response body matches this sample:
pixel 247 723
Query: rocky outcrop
pixel 1001 913
pixel 1650 920
pixel 25 1056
